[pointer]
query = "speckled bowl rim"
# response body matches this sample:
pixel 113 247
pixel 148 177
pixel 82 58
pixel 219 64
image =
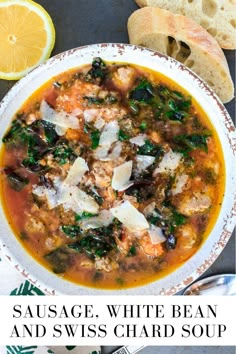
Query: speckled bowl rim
pixel 176 281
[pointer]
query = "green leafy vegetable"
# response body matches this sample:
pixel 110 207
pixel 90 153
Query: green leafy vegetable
pixel 134 106
pixel 98 70
pixel 15 130
pixel 132 251
pixel 144 92
pixel 98 242
pixel 16 181
pixel 50 132
pixel 193 141
pixel 143 126
pixel 63 153
pixel 60 259
pixel 150 149
pixel 95 137
pixel 71 230
pixel 93 245
pixel 122 135
pixel 94 100
pixel 84 215
pixel 94 193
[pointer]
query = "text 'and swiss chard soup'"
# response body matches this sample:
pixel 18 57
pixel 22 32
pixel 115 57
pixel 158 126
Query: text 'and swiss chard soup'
pixel 112 176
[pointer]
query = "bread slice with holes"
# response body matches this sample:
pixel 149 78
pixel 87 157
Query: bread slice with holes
pixel 217 17
pixel 186 41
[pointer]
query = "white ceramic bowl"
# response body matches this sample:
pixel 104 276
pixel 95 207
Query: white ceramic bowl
pixel 216 241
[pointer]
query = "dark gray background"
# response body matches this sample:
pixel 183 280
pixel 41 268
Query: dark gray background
pixel 81 22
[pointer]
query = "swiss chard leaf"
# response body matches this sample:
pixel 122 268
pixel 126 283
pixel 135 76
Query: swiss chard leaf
pixel 16 181
pixel 63 153
pixel 71 230
pixel 122 135
pixel 144 92
pixel 50 132
pixel 150 149
pixel 84 215
pixel 193 141
pixel 98 70
pixel 95 137
pixel 59 259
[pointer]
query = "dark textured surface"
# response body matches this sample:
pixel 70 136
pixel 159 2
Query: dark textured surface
pixel 80 22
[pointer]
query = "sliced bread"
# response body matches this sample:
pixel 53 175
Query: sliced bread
pixel 186 41
pixel 218 17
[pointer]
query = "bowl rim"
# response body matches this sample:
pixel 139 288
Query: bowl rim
pixel 225 122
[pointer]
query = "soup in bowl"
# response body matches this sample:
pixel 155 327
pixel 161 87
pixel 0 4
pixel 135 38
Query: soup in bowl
pixel 113 172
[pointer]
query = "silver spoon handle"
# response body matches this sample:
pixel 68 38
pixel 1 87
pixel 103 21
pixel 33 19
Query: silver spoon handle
pixel 129 349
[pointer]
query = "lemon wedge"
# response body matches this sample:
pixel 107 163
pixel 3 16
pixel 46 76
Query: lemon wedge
pixel 27 37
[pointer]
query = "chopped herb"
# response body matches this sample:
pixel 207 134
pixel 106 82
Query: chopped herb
pixel 71 230
pixel 93 245
pixel 122 136
pixel 84 215
pixel 143 126
pixel 63 153
pixel 177 219
pixel 95 137
pixel 120 281
pixel 94 100
pixel 132 251
pixel 134 106
pixel 210 176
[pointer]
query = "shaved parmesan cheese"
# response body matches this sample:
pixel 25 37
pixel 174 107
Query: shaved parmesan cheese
pixel 60 130
pixel 130 217
pixel 76 172
pixel 156 235
pixel 99 124
pixel 121 176
pixel 139 139
pixel 61 119
pixel 102 152
pixel 90 114
pixel 169 162
pixel 143 162
pixel 69 196
pixel 149 209
pixel 85 201
pixel 77 200
pixel 66 198
pixel 109 134
pixel 104 219
pixel 180 183
pixel 49 193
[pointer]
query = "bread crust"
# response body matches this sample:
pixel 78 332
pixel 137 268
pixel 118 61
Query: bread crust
pixel 218 17
pixel 183 39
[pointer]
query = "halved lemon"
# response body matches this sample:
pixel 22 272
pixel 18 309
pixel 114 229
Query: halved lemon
pixel 27 37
